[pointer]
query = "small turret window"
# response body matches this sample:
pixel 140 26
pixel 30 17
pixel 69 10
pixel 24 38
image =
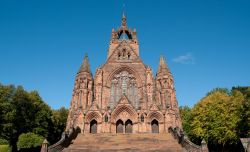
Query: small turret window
pixel 119 55
pixel 142 118
pixel 106 118
pixel 129 55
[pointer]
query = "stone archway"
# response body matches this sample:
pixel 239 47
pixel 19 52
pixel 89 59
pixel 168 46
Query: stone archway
pixel 93 126
pixel 128 126
pixel 155 126
pixel 119 126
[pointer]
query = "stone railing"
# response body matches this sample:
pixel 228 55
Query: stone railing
pixel 64 142
pixel 185 143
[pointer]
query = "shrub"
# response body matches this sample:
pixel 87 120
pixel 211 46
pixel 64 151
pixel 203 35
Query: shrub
pixel 3 142
pixel 29 141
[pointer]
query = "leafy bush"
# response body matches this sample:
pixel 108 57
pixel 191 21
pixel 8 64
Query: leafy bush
pixel 29 140
pixel 3 142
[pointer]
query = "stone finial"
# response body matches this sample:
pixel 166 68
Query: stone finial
pixel 204 147
pixel 124 22
pixel 85 67
pixel 44 146
pixel 163 68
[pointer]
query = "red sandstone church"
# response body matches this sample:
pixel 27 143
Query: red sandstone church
pixel 124 96
pixel 124 107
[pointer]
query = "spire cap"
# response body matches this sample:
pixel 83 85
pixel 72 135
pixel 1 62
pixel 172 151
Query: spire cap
pixel 163 68
pixel 85 67
pixel 124 22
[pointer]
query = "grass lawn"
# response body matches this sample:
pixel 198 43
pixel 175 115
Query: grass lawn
pixel 5 148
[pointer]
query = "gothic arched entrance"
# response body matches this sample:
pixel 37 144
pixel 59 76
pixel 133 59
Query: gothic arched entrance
pixel 128 126
pixel 119 126
pixel 155 126
pixel 93 126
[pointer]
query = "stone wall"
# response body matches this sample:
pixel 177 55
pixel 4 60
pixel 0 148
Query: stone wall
pixel 186 143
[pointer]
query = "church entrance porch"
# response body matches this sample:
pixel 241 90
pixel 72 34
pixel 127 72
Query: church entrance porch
pixel 124 128
pixel 155 126
pixel 93 126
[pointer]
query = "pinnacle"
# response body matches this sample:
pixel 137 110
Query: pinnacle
pixel 85 67
pixel 163 68
pixel 124 22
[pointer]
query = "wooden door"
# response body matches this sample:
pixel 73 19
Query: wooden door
pixel 128 126
pixel 119 126
pixel 155 126
pixel 93 127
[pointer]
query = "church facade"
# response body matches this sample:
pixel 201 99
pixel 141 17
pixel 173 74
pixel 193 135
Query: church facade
pixel 124 96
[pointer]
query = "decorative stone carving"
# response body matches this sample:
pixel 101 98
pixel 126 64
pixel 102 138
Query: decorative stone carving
pixel 124 83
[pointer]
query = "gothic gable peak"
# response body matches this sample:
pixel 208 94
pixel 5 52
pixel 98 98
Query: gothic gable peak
pixel 124 52
pixel 154 107
pixel 124 100
pixel 94 107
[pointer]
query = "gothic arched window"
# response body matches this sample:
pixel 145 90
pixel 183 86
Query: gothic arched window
pixel 106 118
pixel 124 83
pixel 129 56
pixel 142 118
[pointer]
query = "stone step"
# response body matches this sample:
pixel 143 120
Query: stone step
pixel 124 142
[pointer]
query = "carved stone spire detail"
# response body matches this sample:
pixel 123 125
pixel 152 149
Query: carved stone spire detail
pixel 85 67
pixel 163 68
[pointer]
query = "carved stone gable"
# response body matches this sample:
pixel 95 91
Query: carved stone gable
pixel 123 53
pixel 124 100
pixel 154 107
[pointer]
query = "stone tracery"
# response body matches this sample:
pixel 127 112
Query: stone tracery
pixel 124 83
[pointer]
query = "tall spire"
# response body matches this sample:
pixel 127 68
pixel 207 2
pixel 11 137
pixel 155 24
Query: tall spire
pixel 85 67
pixel 163 68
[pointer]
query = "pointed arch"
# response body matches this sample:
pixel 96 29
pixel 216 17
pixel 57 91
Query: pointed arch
pixel 128 126
pixel 119 126
pixel 124 68
pixel 93 126
pixel 157 115
pixel 93 115
pixel 124 112
pixel 154 126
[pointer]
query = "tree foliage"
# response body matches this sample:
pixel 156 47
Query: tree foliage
pixel 59 121
pixel 221 118
pixel 186 116
pixel 22 112
pixel 29 140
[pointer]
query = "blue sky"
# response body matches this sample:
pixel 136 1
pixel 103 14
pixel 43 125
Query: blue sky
pixel 206 43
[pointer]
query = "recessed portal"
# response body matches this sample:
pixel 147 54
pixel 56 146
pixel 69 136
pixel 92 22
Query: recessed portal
pixel 93 126
pixel 128 126
pixel 119 126
pixel 155 126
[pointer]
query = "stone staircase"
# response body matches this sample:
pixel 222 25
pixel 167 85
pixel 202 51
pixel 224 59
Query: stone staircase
pixel 124 142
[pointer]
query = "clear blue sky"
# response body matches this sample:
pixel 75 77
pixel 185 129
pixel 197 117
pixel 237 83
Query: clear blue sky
pixel 206 42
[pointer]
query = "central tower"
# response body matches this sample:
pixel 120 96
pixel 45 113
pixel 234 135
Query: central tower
pixel 124 96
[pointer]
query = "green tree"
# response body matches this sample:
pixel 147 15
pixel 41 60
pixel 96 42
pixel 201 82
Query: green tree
pixel 29 142
pixel 244 112
pixel 215 118
pixel 59 121
pixel 23 112
pixel 186 117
